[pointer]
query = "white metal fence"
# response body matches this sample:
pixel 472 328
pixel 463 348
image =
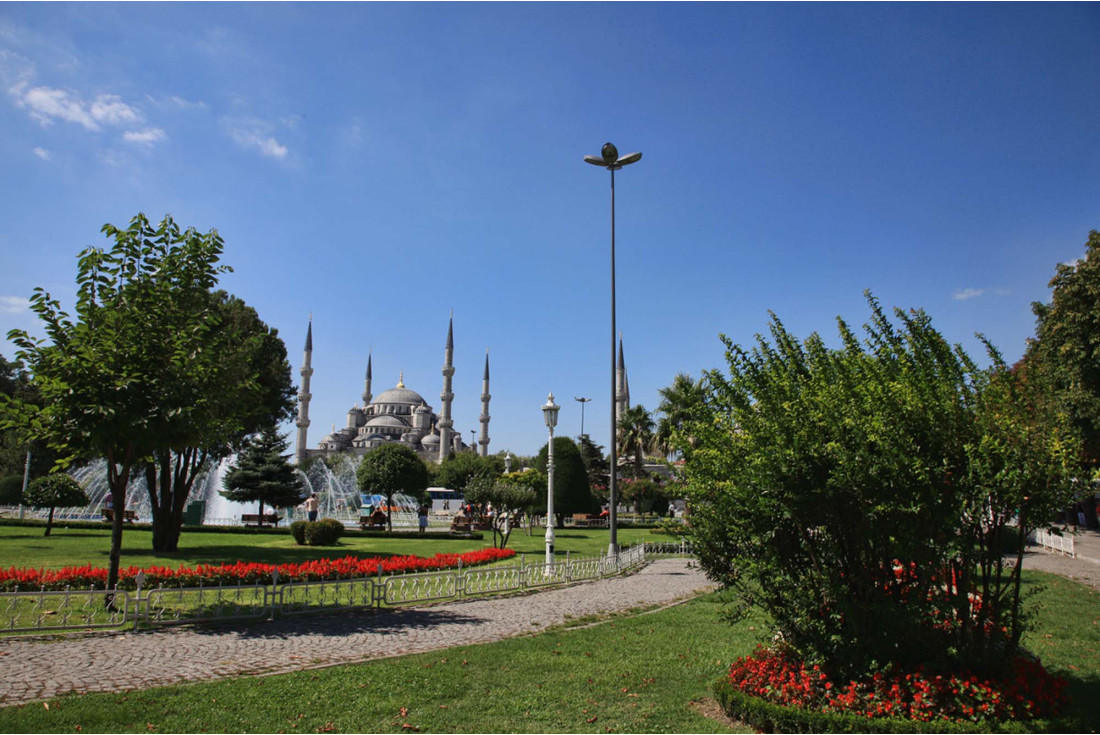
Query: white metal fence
pixel 1058 543
pixel 37 611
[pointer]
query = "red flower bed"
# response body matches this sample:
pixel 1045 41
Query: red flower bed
pixel 243 572
pixel 1028 691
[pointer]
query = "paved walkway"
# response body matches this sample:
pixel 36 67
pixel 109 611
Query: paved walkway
pixel 1084 569
pixel 35 670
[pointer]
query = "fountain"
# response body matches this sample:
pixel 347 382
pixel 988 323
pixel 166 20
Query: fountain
pixel 332 478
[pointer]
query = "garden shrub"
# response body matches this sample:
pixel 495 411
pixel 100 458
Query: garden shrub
pixel 298 531
pixel 324 532
pixel 862 495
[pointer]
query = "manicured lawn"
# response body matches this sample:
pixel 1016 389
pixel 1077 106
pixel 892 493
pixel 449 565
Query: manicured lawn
pixel 25 546
pixel 632 674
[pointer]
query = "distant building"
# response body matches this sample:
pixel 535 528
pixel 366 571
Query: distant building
pixel 396 415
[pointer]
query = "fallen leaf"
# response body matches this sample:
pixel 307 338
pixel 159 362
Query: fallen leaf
pixel 46 705
pixel 404 712
pixel 593 719
pixel 411 728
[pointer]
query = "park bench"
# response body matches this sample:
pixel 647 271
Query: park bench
pixel 368 523
pixel 584 520
pixel 255 519
pixel 127 515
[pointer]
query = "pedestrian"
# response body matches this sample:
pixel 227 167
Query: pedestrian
pixel 422 519
pixel 672 510
pixel 311 506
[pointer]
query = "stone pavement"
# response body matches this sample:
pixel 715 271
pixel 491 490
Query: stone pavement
pixel 1084 569
pixel 37 669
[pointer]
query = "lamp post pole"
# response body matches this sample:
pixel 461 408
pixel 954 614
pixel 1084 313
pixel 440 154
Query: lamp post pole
pixel 550 413
pixel 582 401
pixel 610 159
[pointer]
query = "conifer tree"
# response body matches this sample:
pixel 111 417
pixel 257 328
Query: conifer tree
pixel 262 473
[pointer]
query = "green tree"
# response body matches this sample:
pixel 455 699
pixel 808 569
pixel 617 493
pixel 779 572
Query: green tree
pixel 636 437
pixel 457 470
pixel 646 495
pixel 390 469
pixel 509 499
pixel 11 490
pixel 863 495
pixel 155 374
pixel 572 493
pixel 1064 357
pixel 595 465
pixel 16 385
pixel 54 491
pixel 679 403
pixel 263 474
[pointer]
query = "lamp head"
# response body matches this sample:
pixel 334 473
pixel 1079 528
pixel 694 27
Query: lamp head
pixel 609 153
pixel 550 412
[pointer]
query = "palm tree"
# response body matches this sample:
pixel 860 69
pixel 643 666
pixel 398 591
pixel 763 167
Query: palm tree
pixel 636 435
pixel 679 405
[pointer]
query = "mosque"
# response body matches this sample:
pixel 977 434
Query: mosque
pixel 396 415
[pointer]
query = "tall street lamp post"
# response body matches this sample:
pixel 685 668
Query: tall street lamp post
pixel 610 159
pixel 582 401
pixel 550 413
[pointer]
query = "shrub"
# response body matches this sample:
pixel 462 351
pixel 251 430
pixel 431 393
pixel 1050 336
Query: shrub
pixel 324 532
pixel 298 531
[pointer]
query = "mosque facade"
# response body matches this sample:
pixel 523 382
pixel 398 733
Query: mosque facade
pixel 399 414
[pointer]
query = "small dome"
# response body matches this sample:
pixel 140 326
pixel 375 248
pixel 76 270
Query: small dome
pixel 432 439
pixel 385 420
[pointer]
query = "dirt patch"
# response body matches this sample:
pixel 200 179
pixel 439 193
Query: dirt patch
pixel 710 709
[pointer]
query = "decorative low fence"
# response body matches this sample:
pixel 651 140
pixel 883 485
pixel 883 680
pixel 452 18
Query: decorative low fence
pixel 44 611
pixel 1058 543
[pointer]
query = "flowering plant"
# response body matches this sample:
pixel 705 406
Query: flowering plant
pixel 244 572
pixel 1025 692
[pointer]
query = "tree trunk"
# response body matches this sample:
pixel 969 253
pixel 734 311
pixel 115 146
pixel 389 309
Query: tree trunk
pixel 261 521
pixel 117 480
pixel 49 522
pixel 389 513
pixel 169 479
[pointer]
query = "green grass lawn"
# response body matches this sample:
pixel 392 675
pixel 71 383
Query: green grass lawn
pixel 25 546
pixel 630 674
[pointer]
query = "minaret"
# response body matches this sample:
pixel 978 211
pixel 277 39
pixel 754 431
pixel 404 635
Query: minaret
pixel 304 396
pixel 366 390
pixel 484 440
pixel 445 422
pixel 622 387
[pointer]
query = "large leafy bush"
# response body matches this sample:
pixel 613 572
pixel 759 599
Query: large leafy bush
pixel 862 494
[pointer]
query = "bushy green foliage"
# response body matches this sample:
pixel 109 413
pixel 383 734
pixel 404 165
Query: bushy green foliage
pixel 457 470
pixel 54 491
pixel 646 495
pixel 509 497
pixel 860 494
pixel 390 469
pixel 262 473
pixel 324 532
pixel 1065 355
pixel 11 490
pixel 572 493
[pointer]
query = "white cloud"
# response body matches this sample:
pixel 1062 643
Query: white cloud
pixel 255 135
pixel 13 305
pixel 963 294
pixel 46 104
pixel 41 153
pixel 110 109
pixel 144 137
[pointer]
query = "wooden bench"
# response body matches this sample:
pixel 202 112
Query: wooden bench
pixel 255 519
pixel 584 520
pixel 129 516
pixel 370 522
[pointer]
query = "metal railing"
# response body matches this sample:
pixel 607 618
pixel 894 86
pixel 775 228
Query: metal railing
pixel 38 611
pixel 1058 543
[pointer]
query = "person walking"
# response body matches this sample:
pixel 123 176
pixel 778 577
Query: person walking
pixel 311 506
pixel 422 518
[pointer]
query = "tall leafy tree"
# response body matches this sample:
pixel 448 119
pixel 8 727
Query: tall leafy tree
pixel 1064 357
pixel 155 373
pixel 457 470
pixel 16 385
pixel 509 498
pixel 54 491
pixel 636 437
pixel 572 493
pixel 595 464
pixel 263 474
pixel 390 469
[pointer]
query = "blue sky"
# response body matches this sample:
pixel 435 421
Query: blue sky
pixel 379 165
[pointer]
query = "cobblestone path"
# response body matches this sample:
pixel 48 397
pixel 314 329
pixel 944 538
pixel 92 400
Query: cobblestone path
pixel 38 669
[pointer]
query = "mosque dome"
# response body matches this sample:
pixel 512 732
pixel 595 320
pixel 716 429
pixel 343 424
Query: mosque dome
pixel 432 439
pixel 399 395
pixel 384 420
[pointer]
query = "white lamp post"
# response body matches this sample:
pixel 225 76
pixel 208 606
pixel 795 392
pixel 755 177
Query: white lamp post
pixel 550 413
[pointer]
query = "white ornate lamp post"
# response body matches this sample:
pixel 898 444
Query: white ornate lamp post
pixel 610 159
pixel 550 413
